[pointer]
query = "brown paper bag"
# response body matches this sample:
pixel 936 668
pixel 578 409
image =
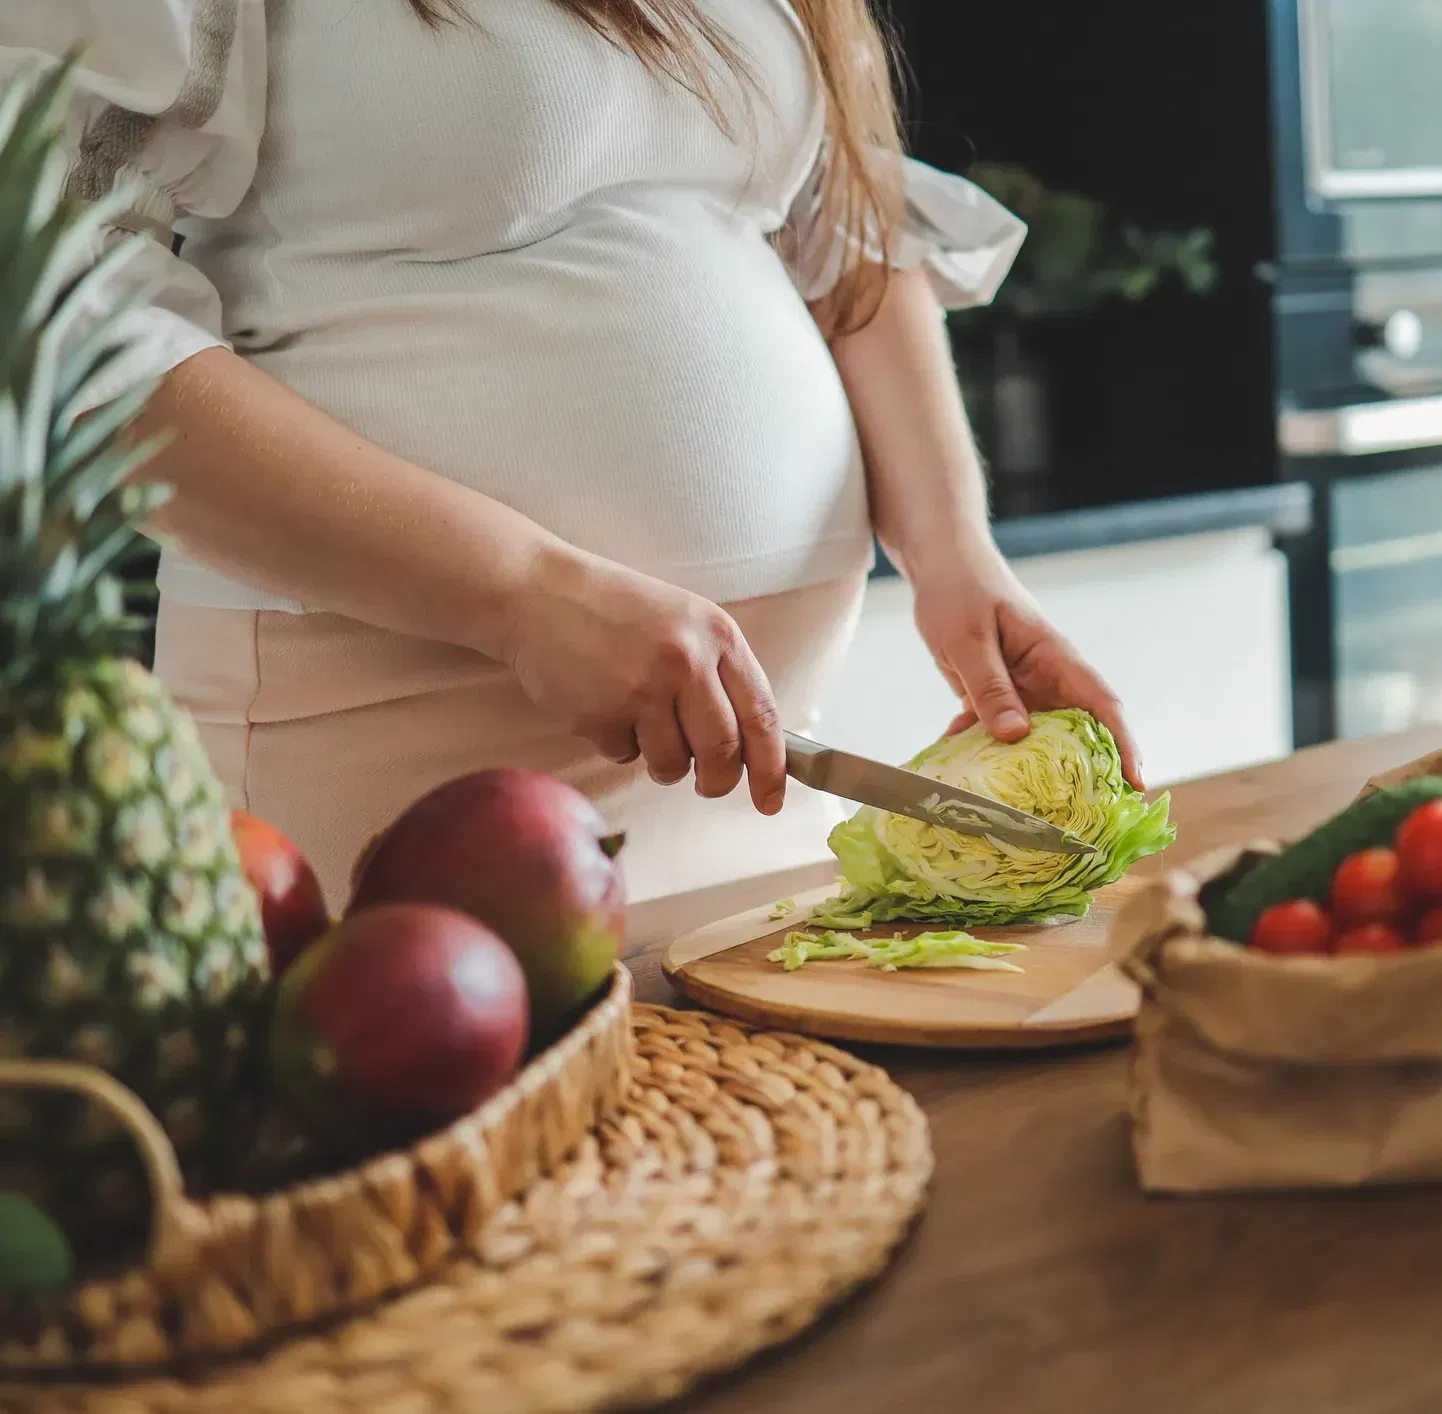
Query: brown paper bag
pixel 1251 1071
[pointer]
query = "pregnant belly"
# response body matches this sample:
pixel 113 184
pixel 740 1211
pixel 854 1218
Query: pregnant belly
pixel 653 391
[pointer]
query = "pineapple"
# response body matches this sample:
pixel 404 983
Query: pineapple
pixel 129 936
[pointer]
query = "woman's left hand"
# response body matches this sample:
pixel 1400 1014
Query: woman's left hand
pixel 928 503
pixel 997 650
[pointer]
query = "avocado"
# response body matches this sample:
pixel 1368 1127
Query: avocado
pixel 35 1258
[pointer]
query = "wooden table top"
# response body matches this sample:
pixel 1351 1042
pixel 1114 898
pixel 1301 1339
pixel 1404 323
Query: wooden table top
pixel 1042 1281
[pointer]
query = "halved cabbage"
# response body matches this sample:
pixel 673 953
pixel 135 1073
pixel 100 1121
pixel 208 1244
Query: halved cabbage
pixel 1067 771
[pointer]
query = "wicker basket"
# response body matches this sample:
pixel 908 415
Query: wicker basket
pixel 226 1275
pixel 747 1183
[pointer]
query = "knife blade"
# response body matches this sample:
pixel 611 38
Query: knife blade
pixel 909 793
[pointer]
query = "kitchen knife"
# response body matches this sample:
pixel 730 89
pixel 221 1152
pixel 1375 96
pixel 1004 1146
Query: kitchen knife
pixel 921 798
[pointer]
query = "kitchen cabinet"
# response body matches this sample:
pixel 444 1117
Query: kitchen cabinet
pixel 1192 632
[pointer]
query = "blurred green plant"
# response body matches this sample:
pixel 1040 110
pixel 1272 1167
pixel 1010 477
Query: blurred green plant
pixel 1078 255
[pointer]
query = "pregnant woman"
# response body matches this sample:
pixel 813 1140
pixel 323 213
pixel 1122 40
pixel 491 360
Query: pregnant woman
pixel 537 372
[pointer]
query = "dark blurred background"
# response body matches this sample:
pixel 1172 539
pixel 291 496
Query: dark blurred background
pixel 1233 283
pixel 1160 113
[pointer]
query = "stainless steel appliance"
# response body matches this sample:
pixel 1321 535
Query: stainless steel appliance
pixel 1369 85
pixel 1357 317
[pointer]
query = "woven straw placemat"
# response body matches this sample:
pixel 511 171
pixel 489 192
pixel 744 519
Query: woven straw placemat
pixel 749 1181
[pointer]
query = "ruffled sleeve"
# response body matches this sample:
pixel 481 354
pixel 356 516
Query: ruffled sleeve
pixel 963 238
pixel 169 97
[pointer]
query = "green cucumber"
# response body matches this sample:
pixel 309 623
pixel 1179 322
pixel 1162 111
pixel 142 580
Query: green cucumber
pixel 1305 869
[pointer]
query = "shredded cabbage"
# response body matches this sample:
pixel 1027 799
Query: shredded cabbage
pixel 784 909
pixel 1067 771
pixel 889 954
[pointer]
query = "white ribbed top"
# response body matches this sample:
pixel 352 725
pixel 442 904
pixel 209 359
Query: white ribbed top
pixel 515 257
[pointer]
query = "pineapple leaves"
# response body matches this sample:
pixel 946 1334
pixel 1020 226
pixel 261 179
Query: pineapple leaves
pixel 12 103
pixel 103 342
pixel 84 490
pixel 9 444
pixel 35 119
pixel 17 221
pixel 69 516
pixel 69 240
pixel 98 430
pixel 32 163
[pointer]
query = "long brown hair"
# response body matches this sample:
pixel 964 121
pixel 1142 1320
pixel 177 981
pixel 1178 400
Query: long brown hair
pixel 861 198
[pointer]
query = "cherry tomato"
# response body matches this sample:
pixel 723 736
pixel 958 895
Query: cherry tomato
pixel 1367 888
pixel 1372 937
pixel 1419 848
pixel 1429 928
pixel 1299 926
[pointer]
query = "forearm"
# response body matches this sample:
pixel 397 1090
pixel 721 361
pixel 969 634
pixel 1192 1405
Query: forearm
pixel 928 495
pixel 272 492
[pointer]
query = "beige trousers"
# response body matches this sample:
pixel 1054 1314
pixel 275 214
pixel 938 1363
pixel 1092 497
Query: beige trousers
pixel 329 728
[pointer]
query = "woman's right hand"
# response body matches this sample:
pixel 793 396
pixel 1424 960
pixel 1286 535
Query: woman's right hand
pixel 643 669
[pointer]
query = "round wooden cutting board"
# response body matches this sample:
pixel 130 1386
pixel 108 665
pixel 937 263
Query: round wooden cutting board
pixel 1069 993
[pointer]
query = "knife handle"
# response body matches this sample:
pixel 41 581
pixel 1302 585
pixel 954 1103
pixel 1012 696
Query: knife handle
pixel 804 758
